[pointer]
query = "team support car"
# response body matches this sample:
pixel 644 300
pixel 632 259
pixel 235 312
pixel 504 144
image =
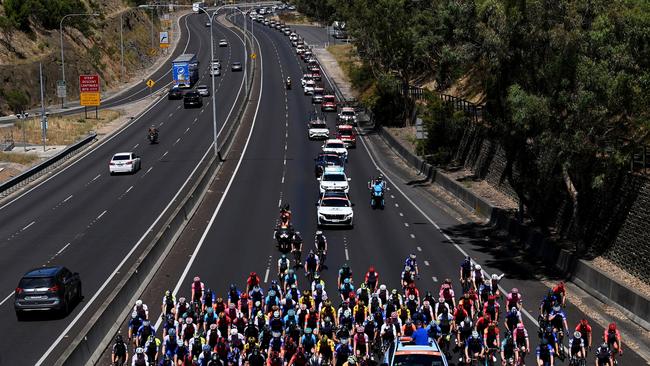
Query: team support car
pixel 318 129
pixel 192 99
pixel 346 134
pixel 309 87
pixel 124 162
pixel 329 103
pixel 335 146
pixel 203 90
pixel 347 116
pixel 334 179
pixel 47 288
pixel 407 353
pixel 175 93
pixel 317 95
pixel 324 160
pixel 334 208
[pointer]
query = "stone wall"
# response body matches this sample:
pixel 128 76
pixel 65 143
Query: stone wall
pixel 631 247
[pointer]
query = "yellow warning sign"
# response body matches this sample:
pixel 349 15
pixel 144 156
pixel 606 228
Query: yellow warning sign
pixel 151 83
pixel 89 99
pixel 253 55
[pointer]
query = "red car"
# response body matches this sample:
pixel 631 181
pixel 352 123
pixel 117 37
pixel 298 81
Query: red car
pixel 329 103
pixel 346 134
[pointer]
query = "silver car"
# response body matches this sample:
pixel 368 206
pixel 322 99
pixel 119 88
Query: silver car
pixel 203 90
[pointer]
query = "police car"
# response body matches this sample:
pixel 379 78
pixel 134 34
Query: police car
pixel 407 353
pixel 334 179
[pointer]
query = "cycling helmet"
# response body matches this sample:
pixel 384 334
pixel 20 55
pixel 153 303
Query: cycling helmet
pixel 371 269
pixel 514 290
pixel 138 303
pixel 513 310
pixel 197 279
pixel 307 330
pixel 284 256
pixel 347 280
pixel 206 348
pixel 407 268
pixel 345 265
pixel 411 297
pixel 474 334
pixel 604 345
pixel 210 310
pixel 171 331
pixel 558 308
pixel 139 350
pixel 134 314
pixel 577 335
pixel 319 286
pixel 253 274
pixel 118 338
pixel 495 277
pixel 412 256
pixel 382 287
pixel 234 331
pixel 360 329
pixel 213 326
pixel 188 320
pixel 168 293
pixel 441 300
pixel 612 327
pixel 146 323
pixel 181 300
pixel 319 233
pixel 477 267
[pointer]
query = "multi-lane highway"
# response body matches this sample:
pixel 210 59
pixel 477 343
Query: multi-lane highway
pixel 277 168
pixel 90 221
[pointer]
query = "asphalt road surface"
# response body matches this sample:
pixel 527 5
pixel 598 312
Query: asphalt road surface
pixel 277 168
pixel 88 220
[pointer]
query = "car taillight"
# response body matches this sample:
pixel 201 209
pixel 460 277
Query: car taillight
pixel 129 162
pixel 111 163
pixel 54 288
pixel 19 290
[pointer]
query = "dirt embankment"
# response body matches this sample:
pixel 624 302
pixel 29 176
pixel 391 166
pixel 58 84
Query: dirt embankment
pixel 97 51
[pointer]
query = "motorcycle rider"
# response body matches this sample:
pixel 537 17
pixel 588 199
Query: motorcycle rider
pixel 377 188
pixel 288 82
pixel 152 133
pixel 321 247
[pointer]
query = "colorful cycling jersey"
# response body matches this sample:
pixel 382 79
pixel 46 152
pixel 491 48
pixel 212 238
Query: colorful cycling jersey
pixel 544 351
pixel 576 343
pixel 474 344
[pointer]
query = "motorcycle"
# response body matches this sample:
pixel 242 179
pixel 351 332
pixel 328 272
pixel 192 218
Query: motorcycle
pixel 283 237
pixel 377 197
pixel 288 84
pixel 153 137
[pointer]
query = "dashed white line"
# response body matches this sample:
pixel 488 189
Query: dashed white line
pixel 434 278
pixel 426 263
pixel 97 177
pixel 62 249
pixel 266 276
pixel 136 146
pixel 100 215
pixel 391 196
pixel 202 109
pixel 412 236
pixel 347 255
pixel 283 179
pixel 148 170
pixel 27 227
pixel 67 199
pixel 419 249
pixel 161 123
pixel 186 130
pixel 165 154
pixel 170 115
pixel 396 205
pixel 280 202
pixel 406 224
pixel 128 190
pixel 401 214
pixel 6 298
pixel 177 140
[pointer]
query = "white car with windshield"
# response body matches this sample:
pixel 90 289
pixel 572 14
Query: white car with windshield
pixel 334 179
pixel 334 208
pixel 318 129
pixel 124 162
pixel 335 146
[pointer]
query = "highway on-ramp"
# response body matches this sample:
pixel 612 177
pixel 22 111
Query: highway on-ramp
pixel 89 221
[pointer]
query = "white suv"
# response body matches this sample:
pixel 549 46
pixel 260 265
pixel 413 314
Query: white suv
pixel 334 179
pixel 334 208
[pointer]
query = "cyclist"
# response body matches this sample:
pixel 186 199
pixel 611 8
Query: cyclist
pixel 139 358
pixel 134 324
pixel 477 276
pixel 466 273
pixel 474 347
pixel 141 309
pixel 344 272
pixel 252 281
pixel 520 337
pixel 346 289
pixel 413 264
pixel 197 289
pixel 613 339
pixel 513 318
pixel 514 299
pixel 557 319
pixel 468 304
pixel 491 306
pixel 545 354
pixel 325 349
pixel 372 278
pixel 145 330
pixel 604 355
pixel 360 342
pixel 560 293
pixel 465 329
pixel 508 349
pixel 151 348
pixel 320 241
pixel 312 264
pixel 585 329
pixel 491 338
pixel 577 346
pixel 120 352
pixel 547 304
pixel 283 266
pixel 447 292
pixel 168 304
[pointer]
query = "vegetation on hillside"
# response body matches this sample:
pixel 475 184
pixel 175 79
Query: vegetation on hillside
pixel 566 84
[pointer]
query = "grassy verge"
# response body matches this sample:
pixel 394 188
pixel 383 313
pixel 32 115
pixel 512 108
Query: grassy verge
pixel 343 55
pixel 293 18
pixel 62 130
pixel 23 159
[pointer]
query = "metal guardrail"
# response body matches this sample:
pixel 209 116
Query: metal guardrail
pixel 46 166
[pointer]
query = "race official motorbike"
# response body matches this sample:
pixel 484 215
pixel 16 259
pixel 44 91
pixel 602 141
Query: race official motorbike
pixel 283 237
pixel 288 84
pixel 377 196
pixel 153 137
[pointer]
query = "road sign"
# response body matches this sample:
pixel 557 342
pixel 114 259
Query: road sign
pixel 171 7
pixel 164 39
pixel 89 89
pixel 153 51
pixel 253 55
pixel 60 89
pixel 151 83
pixel 195 7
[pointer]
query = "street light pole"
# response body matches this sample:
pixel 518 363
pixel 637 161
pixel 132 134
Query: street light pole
pixel 61 35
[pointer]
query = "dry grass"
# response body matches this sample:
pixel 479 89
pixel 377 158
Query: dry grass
pixel 343 54
pixel 23 159
pixel 294 19
pixel 63 130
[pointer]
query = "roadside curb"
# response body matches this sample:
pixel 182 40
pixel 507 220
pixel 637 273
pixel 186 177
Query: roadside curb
pixel 96 335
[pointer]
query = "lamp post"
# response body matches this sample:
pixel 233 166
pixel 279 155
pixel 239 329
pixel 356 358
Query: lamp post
pixel 217 153
pixel 61 34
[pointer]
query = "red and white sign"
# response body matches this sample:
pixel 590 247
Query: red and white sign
pixel 89 83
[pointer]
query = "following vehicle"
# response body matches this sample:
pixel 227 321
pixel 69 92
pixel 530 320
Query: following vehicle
pixel 215 71
pixel 333 209
pixel 223 43
pixel 152 136
pixel 336 146
pixel 192 99
pixel 334 179
pixel 46 289
pixel 185 70
pixel 407 353
pixel 309 87
pixel 324 160
pixel 347 116
pixel 317 95
pixel 124 162
pixel 329 103
pixel 203 90
pixel 236 66
pixel 318 128
pixel 346 134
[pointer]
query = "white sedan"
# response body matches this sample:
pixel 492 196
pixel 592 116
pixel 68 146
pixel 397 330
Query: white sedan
pixel 124 162
pixel 223 43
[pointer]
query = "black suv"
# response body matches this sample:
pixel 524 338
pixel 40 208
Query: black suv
pixel 192 99
pixel 47 288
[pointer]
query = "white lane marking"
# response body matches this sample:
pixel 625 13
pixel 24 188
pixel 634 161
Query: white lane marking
pixel 148 170
pixel 266 276
pixel 7 298
pixel 100 215
pixel 280 202
pixel 426 263
pixel 177 140
pixel 128 190
pixel 396 205
pixel 406 224
pixel 283 179
pixel 401 214
pixel 136 146
pixel 434 278
pixel 391 196
pixel 67 199
pixel 412 236
pixel 97 177
pixel 225 193
pixel 62 249
pixel 28 225
pixel 187 129
pixel 347 255
pixel 202 109
pixel 161 123
pixel 170 115
pixel 419 249
pixel 179 107
pixel 165 154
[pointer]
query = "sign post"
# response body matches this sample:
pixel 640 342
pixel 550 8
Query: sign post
pixel 164 39
pixel 60 89
pixel 89 92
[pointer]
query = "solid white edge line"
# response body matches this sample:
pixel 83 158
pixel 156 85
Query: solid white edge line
pixel 128 255
pixel 7 298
